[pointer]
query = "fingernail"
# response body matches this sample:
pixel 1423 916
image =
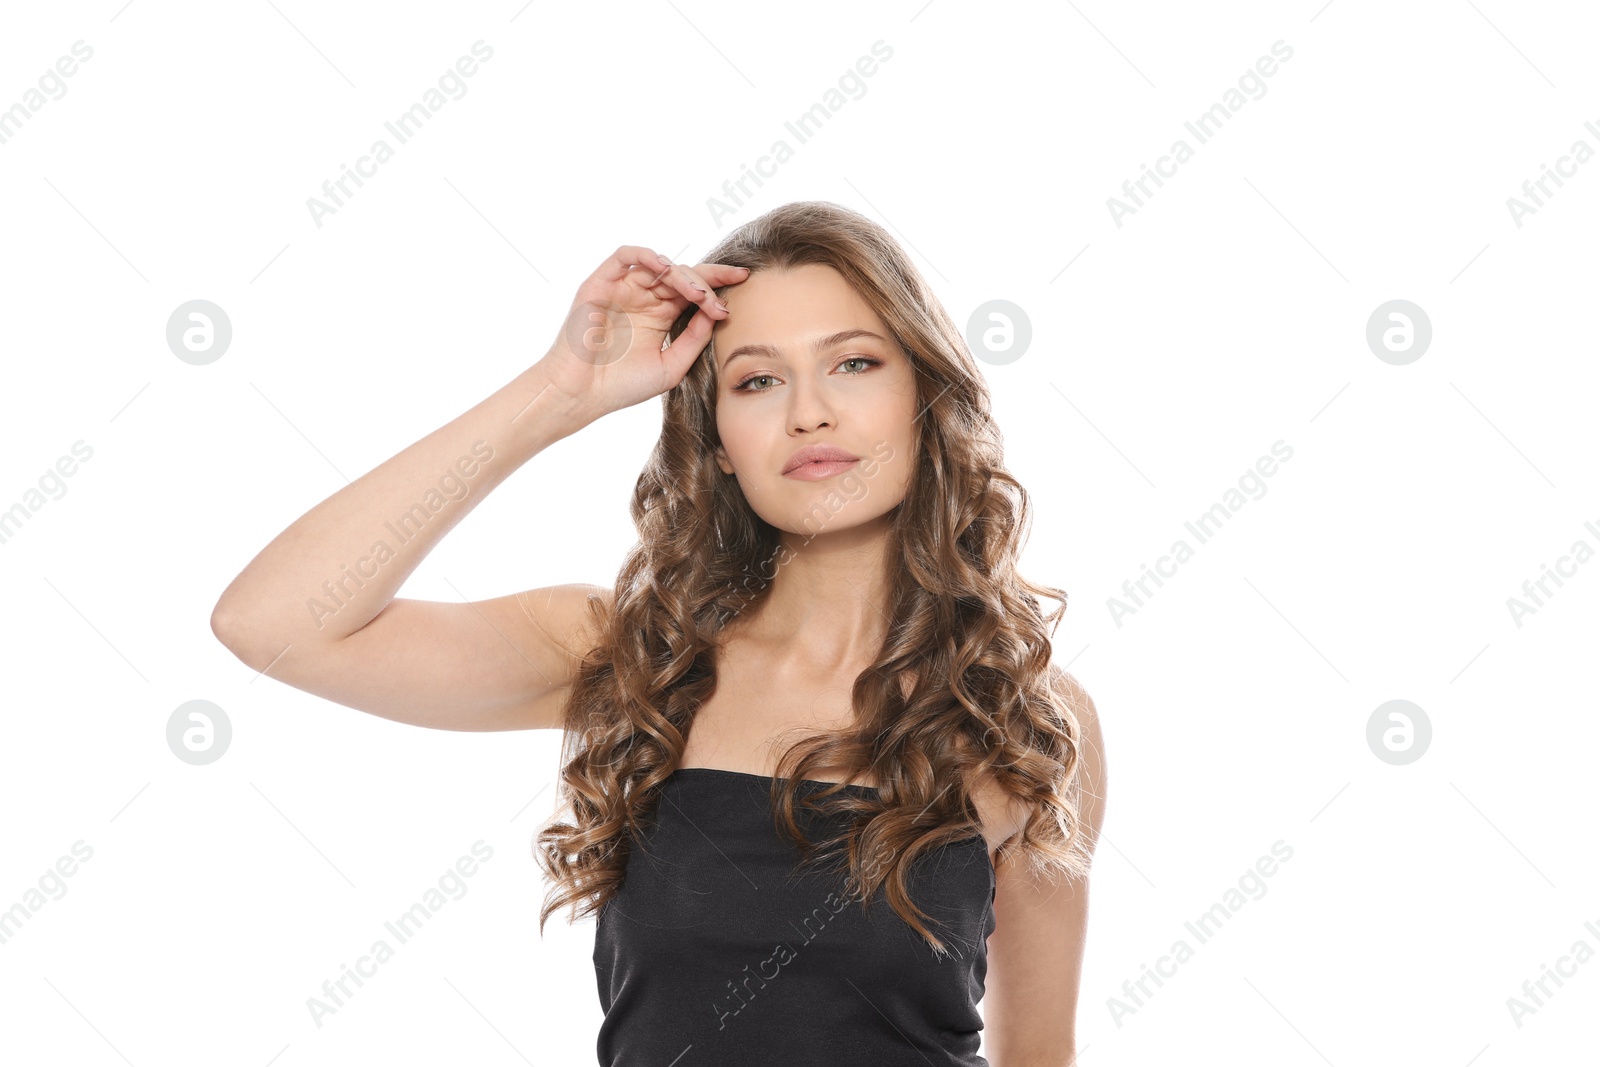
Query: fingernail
pixel 697 288
pixel 721 306
pixel 665 262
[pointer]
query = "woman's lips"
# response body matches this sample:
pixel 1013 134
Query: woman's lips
pixel 812 472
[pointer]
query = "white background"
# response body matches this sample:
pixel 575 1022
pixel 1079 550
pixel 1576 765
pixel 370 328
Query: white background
pixel 1168 355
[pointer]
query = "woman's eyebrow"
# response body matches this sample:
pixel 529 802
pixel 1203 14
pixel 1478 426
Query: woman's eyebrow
pixel 817 346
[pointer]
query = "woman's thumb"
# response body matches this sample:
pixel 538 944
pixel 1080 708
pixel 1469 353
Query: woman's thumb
pixel 680 355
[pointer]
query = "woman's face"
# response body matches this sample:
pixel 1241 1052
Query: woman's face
pixel 803 361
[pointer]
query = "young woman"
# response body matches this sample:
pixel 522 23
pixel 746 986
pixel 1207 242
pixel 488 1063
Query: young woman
pixel 827 789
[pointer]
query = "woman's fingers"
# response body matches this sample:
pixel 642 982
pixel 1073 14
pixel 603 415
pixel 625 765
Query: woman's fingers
pixel 688 281
pixel 720 274
pixel 660 277
pixel 628 258
pixel 664 279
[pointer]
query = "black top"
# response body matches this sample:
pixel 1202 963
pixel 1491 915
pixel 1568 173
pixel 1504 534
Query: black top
pixel 719 950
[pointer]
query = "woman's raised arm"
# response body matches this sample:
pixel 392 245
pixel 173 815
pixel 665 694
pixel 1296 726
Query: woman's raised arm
pixel 316 607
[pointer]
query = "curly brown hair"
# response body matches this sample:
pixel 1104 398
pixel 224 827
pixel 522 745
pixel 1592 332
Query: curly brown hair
pixel 962 688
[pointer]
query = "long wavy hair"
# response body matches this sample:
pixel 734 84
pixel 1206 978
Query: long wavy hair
pixel 962 685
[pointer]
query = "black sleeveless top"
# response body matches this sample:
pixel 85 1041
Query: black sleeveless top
pixel 719 950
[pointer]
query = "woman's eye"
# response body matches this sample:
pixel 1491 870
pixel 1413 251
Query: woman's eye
pixel 748 385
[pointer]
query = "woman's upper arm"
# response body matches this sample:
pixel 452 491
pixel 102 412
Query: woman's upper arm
pixel 500 664
pixel 1041 922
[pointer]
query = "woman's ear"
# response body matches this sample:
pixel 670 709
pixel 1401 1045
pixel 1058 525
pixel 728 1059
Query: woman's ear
pixel 722 460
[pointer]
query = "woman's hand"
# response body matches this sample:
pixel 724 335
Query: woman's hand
pixel 609 354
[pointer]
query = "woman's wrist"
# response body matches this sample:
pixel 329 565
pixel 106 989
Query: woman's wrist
pixel 541 412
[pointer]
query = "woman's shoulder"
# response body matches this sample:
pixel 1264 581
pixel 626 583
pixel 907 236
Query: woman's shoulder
pixel 1009 813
